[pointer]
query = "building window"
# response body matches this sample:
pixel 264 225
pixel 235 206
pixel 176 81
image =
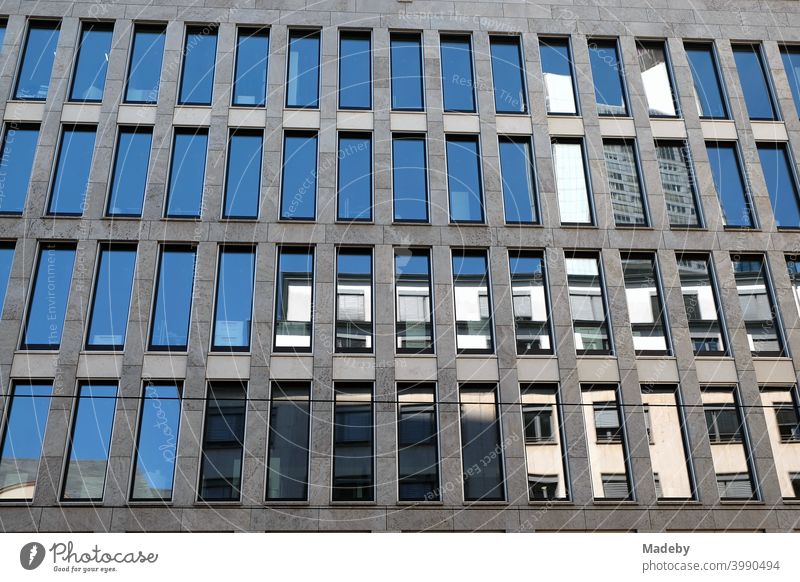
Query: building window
pixel 481 445
pixel 608 76
pixel 608 452
pixel 708 91
pixel 409 178
pixel 616 486
pixel 508 74
pixel 473 305
pixel 299 182
pixel 678 183
pixel 783 428
pixel 91 66
pixel 791 62
pixel 657 78
pixel 729 181
pixel 289 431
pixel 27 407
pixel 302 82
pixel 129 177
pixel 353 443
pixel 607 425
pixel 734 486
pixel 572 185
pixel 759 313
pixel 355 70
pixel 173 302
pixel 108 318
pixel 406 71
pixel 627 195
pixel 252 62
pixel 703 313
pixel 458 82
pixel 530 302
pixel 187 173
pixel 157 444
pixel 645 306
pixel 723 424
pixel 234 302
pixel 47 307
pixel 294 300
pixel 89 444
pixel 16 165
pixel 793 266
pixel 417 443
pixel 545 453
pixel 517 173
pixel 776 166
pixel 243 180
pixel 414 308
pixel 464 179
pixel 199 57
pixel 223 442
pixel 559 81
pixel 6 260
pixel 788 423
pixel 144 68
pixel 71 179
pixel 754 82
pixel 354 188
pixel 36 66
pixel 3 25
pixel 354 300
pixel 587 304
pixel 538 424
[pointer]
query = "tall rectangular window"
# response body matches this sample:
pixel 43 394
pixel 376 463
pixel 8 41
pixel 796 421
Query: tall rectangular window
pixel 473 305
pixel 657 78
pixel 252 61
pixel 187 173
pixel 481 444
pixel 702 306
pixel 90 442
pixel 91 65
pixel 624 183
pixel 6 260
pixel 587 304
pixel 572 185
pixel 754 82
pixel 559 81
pixel 777 167
pixel 302 74
pixel 157 444
pixel 354 188
pixel 299 182
pixel 517 172
pixel 645 306
pixel 545 447
pixel 531 309
pixel 406 70
pixel 355 70
pixel 3 25
pixel 26 413
pixel 353 443
pixel 294 300
pixel 759 312
pixel 458 82
pixel 417 443
pixel 782 416
pixel 243 179
pixel 678 183
pixel 199 59
pixel 464 182
pixel 172 313
pixel 413 307
pixel 16 165
pixel 354 300
pixel 793 266
pixel 47 306
pixel 129 177
pixel 608 77
pixel 508 74
pixel 234 303
pixel 144 68
pixel 729 181
pixel 790 54
pixel 36 66
pixel 409 178
pixel 708 91
pixel 71 178
pixel 223 442
pixel 108 318
pixel 289 433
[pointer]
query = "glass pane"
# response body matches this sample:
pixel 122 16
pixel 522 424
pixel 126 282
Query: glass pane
pixel 656 79
pixel 729 182
pixel 783 428
pixel 557 72
pixel 753 79
pixel 678 184
pixel 645 308
pixel 199 56
pixel 252 59
pixel 353 473
pixel 609 91
pixel 302 84
pixel 793 266
pixel 458 84
pixel 91 66
pixel 417 443
pixel 299 188
pixel 758 310
pixel 627 197
pixel 665 431
pixel 516 167
pixel 294 300
pixel 587 303
pixel 223 442
pixel 38 55
pixel 571 184
pixel 48 303
pixel 131 165
pixel 529 295
pixel 112 297
pixel 707 86
pixel 413 301
pixel 464 179
pixel 17 154
pixel 287 457
pixel 791 62
pixel 608 455
pixel 71 180
pixel 508 75
pixel 173 309
pixel 156 449
pixel 243 181
pixel 355 70
pixel 406 65
pixel 409 178
pixel 473 308
pixel 545 451
pixel 354 300
pixel 234 303
pixel 355 177
pixel 2 33
pixel 144 72
pixel 6 260
pixel 481 448
pixel 187 174
pixel 776 165
pixel 700 301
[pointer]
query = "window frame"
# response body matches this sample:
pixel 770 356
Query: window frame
pixel 758 50
pixel 303 32
pixel 789 156
pixel 501 458
pixel 407 35
pixel 304 133
pixel 542 255
pixel 185 130
pixel 598 257
pixel 587 177
pixel 355 134
pixel 103 25
pixel 484 252
pixel 194 28
pixel 109 190
pixel 371 252
pixel 162 249
pixel 409 136
pixel 434 385
pixel 311 250
pixel 223 248
pixel 250 132
pixel 508 38
pixel 355 33
pixel 723 89
pixel 567 41
pixel 711 271
pixel 15 126
pixel 432 303
pixel 34 22
pixel 599 41
pixel 688 160
pixel 637 164
pixel 676 97
pixel 153 27
pixel 249 31
pixel 350 384
pixel 472 138
pixel 652 257
pixel 535 201
pixel 56 166
pixel 746 186
pixel 463 36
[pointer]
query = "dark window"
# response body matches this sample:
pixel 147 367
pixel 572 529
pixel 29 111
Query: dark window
pixel 417 443
pixel 542 487
pixel 144 68
pixel 529 296
pixel 729 180
pixel 302 81
pixel 791 62
pixel 252 60
pixel 187 174
pixel 3 25
pixel 406 71
pixel 243 180
pixel 71 179
pixel 627 195
pixel 354 300
pixel 723 424
pixel 481 446
pixel 458 83
pixel 645 308
pixel 409 178
pixel 464 179
pixel 678 183
pixel 539 426
pixel 587 303
pixel 294 300
pixel 759 313
pixel 36 66
pixel 473 305
pixel 6 260
pixel 47 306
pixel 355 177
pixel 299 187
pixel 508 74
pixel 234 302
pixel 16 165
pixel 755 84
pixel 131 164
pixel 776 165
pixel 353 443
pixel 616 486
pixel 517 172
pixel 702 306
pixel 223 442
pixel 788 423
pixel 572 183
pixel 414 309
pixel 91 66
pixel 607 425
pixel 355 70
pixel 199 57
pixel 108 318
pixel 173 302
pixel 607 73
pixel 708 91
pixel 657 78
pixel 559 81
pixel 734 486
pixel 287 455
pixel 795 480
pixel 793 267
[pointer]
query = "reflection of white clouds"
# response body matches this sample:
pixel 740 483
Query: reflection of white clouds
pixel 658 90
pixel 560 96
pixel 573 199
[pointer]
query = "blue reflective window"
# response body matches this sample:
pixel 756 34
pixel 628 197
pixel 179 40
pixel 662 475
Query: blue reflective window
pixel 252 60
pixel 144 69
pixel 91 66
pixel 355 70
pixel 791 62
pixel 187 174
pixel 47 306
pixel 3 25
pixel 458 82
pixel 157 446
pixel 508 75
pixel 234 305
pixel 776 164
pixel 16 164
pixel 406 66
pixel 243 182
pixel 6 260
pixel 609 87
pixel 729 181
pixel 558 77
pixel 294 300
pixel 108 319
pixel 519 190
pixel 708 92
pixel 36 66
pixel 464 179
pixel 473 305
pixel 21 447
pixel 90 442
pixel 131 164
pixel 223 442
pixel 299 187
pixel 302 81
pixel 173 302
pixel 199 57
pixel 71 181
pixel 355 177
pixel 753 79
pixel 409 178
